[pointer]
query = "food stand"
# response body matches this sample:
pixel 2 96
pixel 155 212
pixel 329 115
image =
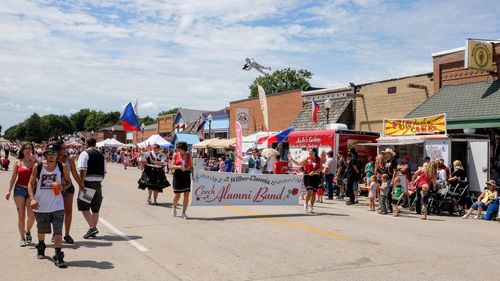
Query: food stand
pixel 427 136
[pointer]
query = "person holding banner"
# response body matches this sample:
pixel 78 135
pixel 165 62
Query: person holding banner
pixel 182 166
pixel 312 168
pixel 153 177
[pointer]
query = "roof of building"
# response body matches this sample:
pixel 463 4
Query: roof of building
pixel 190 115
pixel 470 101
pixel 151 127
pixel 299 91
pixel 303 122
pixel 110 128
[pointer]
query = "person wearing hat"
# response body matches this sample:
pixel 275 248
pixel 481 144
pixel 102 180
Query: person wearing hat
pixel 48 179
pixel 489 195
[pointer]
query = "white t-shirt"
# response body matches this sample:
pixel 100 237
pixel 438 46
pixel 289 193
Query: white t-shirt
pixel 330 165
pixel 270 164
pixel 44 194
pixel 442 175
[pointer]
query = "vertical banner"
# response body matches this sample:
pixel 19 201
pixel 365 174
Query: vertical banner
pixel 263 105
pixel 238 150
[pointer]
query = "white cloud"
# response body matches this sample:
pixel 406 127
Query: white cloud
pixel 59 56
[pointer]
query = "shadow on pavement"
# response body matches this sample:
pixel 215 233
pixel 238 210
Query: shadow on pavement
pixel 91 264
pixel 165 205
pixel 116 238
pixel 87 244
pixel 266 216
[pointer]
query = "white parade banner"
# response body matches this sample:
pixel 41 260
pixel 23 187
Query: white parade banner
pixel 225 189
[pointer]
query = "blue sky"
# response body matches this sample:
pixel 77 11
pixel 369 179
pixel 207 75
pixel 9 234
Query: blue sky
pixel 61 56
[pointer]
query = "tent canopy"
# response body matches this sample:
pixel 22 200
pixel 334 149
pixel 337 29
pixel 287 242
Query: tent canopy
pixel 205 143
pixel 109 143
pixel 251 141
pixel 154 139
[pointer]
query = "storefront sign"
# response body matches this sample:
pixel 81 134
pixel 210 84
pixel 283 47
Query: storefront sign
pixel 437 150
pixel 243 116
pixel 479 55
pixel 223 189
pixel 406 127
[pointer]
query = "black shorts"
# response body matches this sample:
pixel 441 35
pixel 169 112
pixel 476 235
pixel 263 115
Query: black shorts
pixel 311 182
pixel 44 221
pixel 95 204
pixel 69 191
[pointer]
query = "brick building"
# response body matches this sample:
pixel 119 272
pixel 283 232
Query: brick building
pixel 148 131
pixel 282 109
pixel 393 98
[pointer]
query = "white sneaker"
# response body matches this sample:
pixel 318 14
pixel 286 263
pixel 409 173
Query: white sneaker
pixel 311 210
pixel 174 212
pixel 305 207
pixel 475 217
pixel 184 216
pixel 465 217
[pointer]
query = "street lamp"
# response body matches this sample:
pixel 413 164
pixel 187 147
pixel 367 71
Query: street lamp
pixel 210 118
pixel 113 132
pixel 328 105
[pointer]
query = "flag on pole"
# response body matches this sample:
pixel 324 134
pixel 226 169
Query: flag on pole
pixel 128 119
pixel 315 109
pixel 278 137
pixel 136 106
pixel 263 105
pixel 201 123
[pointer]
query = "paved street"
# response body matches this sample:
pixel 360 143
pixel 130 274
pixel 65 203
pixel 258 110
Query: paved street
pixel 339 242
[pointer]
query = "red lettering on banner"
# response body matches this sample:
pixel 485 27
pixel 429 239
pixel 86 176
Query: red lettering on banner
pixel 225 194
pixel 263 195
pixel 202 191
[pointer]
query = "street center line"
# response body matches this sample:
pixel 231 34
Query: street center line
pixel 124 236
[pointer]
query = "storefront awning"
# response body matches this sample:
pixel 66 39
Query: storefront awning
pixel 471 105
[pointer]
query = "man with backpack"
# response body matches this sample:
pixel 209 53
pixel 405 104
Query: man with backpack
pixel 48 179
pixel 92 168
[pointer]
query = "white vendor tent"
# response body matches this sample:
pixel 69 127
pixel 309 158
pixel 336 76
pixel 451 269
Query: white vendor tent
pixel 154 139
pixel 109 143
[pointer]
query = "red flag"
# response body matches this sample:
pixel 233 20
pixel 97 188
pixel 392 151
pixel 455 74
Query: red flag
pixel 315 109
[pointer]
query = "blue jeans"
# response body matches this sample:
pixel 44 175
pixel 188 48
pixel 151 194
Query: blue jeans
pixel 329 185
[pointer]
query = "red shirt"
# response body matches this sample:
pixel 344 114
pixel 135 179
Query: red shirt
pixel 23 176
pixel 310 165
pixel 178 161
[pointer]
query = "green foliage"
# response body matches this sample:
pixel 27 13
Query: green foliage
pixel 147 120
pixel 170 111
pixel 281 80
pixel 78 119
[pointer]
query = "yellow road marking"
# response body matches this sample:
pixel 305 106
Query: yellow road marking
pixel 290 224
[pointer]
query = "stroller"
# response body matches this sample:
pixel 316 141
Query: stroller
pixel 450 200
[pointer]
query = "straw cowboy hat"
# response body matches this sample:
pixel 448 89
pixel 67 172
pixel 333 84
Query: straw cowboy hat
pixel 389 150
pixel 491 183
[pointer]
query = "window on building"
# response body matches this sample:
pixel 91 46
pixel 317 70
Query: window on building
pixel 391 90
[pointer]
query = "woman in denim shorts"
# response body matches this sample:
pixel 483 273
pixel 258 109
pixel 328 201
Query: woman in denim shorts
pixel 21 174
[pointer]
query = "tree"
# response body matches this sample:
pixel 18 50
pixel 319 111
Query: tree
pixel 34 128
pixel 78 119
pixel 111 118
pixel 146 120
pixel 281 80
pixel 0 130
pixel 170 111
pixel 94 121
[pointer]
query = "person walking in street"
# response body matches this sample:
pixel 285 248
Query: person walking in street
pixel 353 173
pixel 312 168
pixel 424 176
pixel 48 179
pixel 92 167
pixel 19 181
pixel 182 167
pixel 68 195
pixel 341 168
pixel 153 177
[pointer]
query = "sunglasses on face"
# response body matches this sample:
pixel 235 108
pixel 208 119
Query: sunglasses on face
pixel 51 153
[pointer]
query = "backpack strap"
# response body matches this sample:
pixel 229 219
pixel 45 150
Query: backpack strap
pixel 40 166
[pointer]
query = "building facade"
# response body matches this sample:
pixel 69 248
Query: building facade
pixel 166 124
pixel 393 98
pixel 282 111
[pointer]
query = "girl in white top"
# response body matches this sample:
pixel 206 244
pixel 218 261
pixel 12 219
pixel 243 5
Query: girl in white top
pixel 374 186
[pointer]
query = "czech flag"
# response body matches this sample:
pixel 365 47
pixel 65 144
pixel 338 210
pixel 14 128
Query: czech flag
pixel 128 119
pixel 278 137
pixel 315 109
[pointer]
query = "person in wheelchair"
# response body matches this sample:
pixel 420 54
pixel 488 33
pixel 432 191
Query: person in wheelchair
pixel 489 195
